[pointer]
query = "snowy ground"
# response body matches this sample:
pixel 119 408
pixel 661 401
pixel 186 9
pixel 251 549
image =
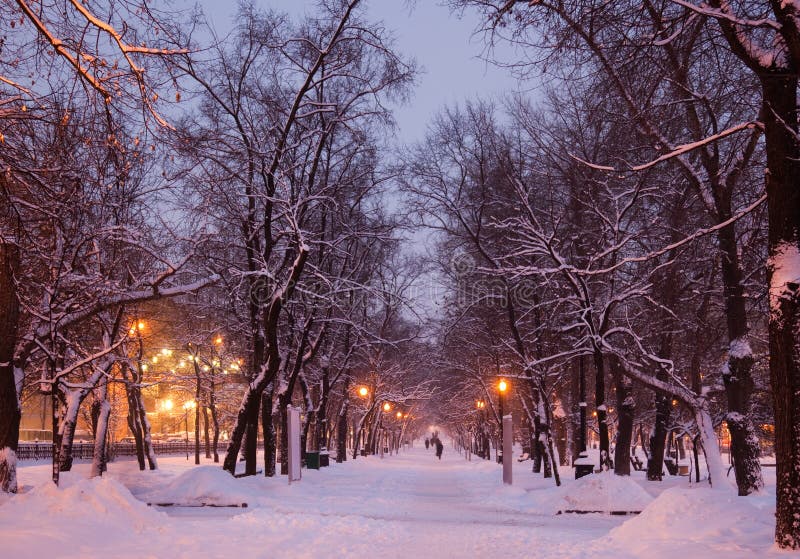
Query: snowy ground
pixel 410 506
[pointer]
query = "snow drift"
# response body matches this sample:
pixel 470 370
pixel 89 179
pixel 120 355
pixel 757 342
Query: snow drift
pixel 204 485
pixel 699 514
pixel 605 492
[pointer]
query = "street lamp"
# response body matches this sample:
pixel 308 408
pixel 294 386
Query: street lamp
pixel 387 406
pixel 480 445
pixel 191 404
pixel 166 408
pixel 361 436
pixel 502 387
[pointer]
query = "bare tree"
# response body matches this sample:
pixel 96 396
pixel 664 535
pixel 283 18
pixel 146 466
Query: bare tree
pixel 288 112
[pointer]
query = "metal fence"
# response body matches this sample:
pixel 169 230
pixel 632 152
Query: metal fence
pixel 84 450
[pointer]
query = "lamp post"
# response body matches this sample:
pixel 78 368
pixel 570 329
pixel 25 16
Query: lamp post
pixel 479 446
pixel 360 438
pixel 502 386
pixel 383 437
pixel 191 404
pixel 166 407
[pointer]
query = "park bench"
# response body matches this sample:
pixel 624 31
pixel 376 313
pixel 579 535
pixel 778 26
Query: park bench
pixel 637 464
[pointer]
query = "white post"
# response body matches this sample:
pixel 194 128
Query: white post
pixel 293 434
pixel 508 438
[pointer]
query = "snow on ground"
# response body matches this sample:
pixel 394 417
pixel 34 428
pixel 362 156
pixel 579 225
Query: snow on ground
pixel 209 485
pixel 709 524
pixel 410 505
pixel 606 492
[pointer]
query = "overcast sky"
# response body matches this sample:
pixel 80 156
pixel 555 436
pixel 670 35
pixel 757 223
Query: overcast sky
pixel 442 43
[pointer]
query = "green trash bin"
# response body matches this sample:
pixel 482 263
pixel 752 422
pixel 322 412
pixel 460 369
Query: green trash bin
pixel 324 460
pixel 312 460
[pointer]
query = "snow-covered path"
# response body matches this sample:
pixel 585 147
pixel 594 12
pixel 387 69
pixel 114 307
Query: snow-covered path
pixel 406 506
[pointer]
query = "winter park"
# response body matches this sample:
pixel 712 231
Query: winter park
pixel 372 278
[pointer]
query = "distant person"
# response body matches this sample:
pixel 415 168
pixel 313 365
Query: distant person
pixel 427 443
pixel 439 448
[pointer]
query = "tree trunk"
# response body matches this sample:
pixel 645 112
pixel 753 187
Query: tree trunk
pixel 147 440
pixel 547 464
pixel 251 441
pixel 717 474
pixel 579 409
pixel 101 410
pixel 625 408
pixel 67 423
pixel 215 424
pixel 561 433
pixel 134 422
pixel 658 439
pixel 600 407
pixel 268 430
pixel 537 446
pixel 197 432
pixel 283 414
pixel 304 434
pixel 245 419
pixel 206 432
pixel 341 431
pixel 737 373
pixel 322 412
pixel 783 269
pixel 10 413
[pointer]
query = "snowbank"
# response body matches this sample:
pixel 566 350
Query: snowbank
pixel 209 485
pixel 98 500
pixel 699 515
pixel 410 505
pixel 605 492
